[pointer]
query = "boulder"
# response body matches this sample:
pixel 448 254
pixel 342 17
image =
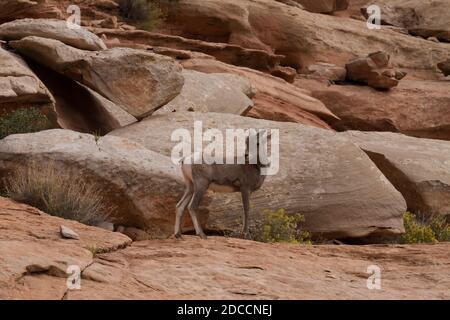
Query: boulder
pixel 322 6
pixel 35 259
pixel 68 233
pixel 239 55
pixel 322 175
pixel 327 71
pixel 140 186
pixel 421 18
pixel 285 73
pixel 52 29
pixel 106 4
pixel 20 87
pixel 139 82
pixel 19 9
pixel 444 66
pixel 214 92
pixel 417 108
pixel 262 24
pixel 80 108
pixel 275 99
pixel 418 168
pixel 374 70
pixel 18 82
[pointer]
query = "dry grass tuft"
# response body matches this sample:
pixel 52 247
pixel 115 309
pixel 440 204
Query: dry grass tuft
pixel 57 193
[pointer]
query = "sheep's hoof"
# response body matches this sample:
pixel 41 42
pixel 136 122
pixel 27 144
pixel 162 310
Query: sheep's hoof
pixel 203 236
pixel 178 237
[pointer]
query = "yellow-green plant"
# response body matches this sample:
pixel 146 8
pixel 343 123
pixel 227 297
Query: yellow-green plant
pixel 280 227
pixel 277 226
pixel 418 231
pixel 441 228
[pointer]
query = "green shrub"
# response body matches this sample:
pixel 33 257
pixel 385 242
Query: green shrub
pixel 425 231
pixel 27 120
pixel 441 228
pixel 57 193
pixel 280 227
pixel 277 226
pixel 146 14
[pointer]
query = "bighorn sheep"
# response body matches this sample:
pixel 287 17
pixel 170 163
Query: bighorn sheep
pixel 225 178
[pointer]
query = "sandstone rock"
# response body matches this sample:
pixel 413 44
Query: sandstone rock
pixel 214 92
pixel 415 107
pixel 18 82
pixel 444 66
pixel 136 234
pixel 52 29
pixel 141 187
pixel 80 108
pixel 139 82
pixel 110 23
pixel 20 87
pixel 285 73
pixel 323 6
pixel 422 18
pixel 322 175
pixel 262 24
pixel 231 54
pixel 18 9
pixel 434 39
pixel 418 168
pixel 374 70
pixel 68 233
pixel 275 99
pixel 327 71
pixel 35 258
pixel 150 270
pixel 106 4
pixel 106 226
pixel 292 3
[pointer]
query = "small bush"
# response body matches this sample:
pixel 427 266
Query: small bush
pixel 277 226
pixel 147 14
pixel 441 228
pixel 57 193
pixel 425 231
pixel 27 120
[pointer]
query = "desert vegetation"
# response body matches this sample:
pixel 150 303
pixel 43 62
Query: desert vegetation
pixel 364 137
pixel 147 14
pixel 58 193
pixel 277 226
pixel 420 230
pixel 25 120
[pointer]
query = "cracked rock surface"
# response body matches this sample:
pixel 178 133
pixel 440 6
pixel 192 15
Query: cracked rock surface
pixel 34 259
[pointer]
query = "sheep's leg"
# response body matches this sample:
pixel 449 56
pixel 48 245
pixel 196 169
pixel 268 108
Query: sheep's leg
pixel 246 204
pixel 199 190
pixel 187 192
pixel 181 209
